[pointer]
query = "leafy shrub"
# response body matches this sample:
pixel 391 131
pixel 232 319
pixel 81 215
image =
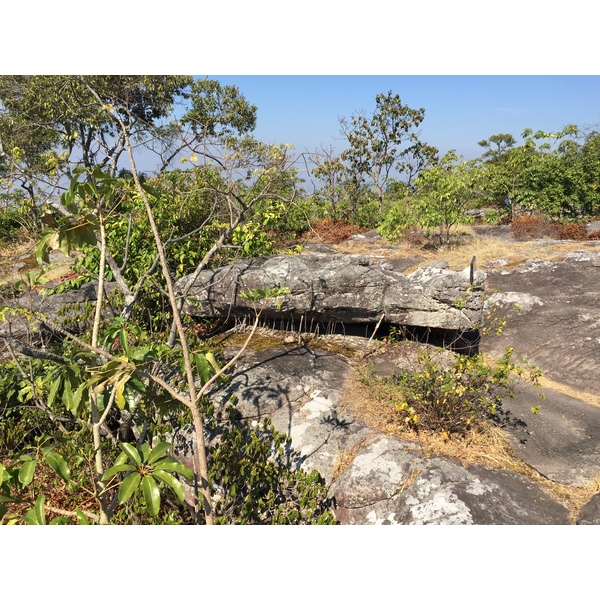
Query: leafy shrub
pixel 494 216
pixel 397 222
pixel 252 482
pixel 10 224
pixel 251 472
pixel 450 397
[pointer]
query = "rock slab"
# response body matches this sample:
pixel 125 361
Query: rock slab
pixel 373 478
pixel 340 289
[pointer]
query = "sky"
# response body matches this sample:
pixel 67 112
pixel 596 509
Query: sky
pixel 460 111
pixel 477 69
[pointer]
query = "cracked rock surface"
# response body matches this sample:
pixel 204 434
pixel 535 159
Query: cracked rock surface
pixel 383 480
pixel 341 289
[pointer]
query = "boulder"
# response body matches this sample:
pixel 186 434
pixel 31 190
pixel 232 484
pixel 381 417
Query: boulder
pixel 54 307
pixel 347 289
pixel 552 312
pixel 388 483
pixel 593 227
pixel 590 512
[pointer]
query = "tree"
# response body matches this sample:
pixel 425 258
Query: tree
pixel 520 180
pixel 568 180
pixel 118 365
pixel 375 142
pixel 497 146
pixel 438 199
pixel 444 192
pixel 51 124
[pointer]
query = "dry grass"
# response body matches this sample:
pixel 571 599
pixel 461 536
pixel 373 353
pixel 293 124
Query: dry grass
pixel 488 446
pixel 569 391
pixel 485 248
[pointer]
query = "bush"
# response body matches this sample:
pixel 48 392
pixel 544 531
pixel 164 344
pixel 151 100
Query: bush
pixel 450 396
pixel 397 222
pixel 532 227
pixel 10 225
pixel 572 231
pixel 252 481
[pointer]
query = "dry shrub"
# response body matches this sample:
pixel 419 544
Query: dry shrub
pixel 330 231
pixel 595 235
pixel 572 231
pixel 531 227
pixel 415 238
pixel 485 444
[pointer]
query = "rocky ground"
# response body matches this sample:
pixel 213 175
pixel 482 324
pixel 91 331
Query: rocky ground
pixel 552 321
pixel 309 385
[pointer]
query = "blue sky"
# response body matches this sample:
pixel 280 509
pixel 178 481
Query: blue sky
pixel 459 110
pixel 477 69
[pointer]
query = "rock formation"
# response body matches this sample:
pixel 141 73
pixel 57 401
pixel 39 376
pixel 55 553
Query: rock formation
pixel 341 288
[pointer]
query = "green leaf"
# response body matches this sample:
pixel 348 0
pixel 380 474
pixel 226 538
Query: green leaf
pixel 76 398
pixel 119 385
pixel 116 469
pixel 128 486
pixel 37 515
pixel 151 495
pixel 203 367
pixel 124 341
pixel 57 462
pixel 170 464
pixel 172 482
pixel 63 243
pixel 210 357
pixel 81 518
pixel 27 471
pixel 144 451
pixel 121 459
pixel 4 498
pixel 67 394
pixel 61 521
pixel 158 451
pixel 132 452
pixel 53 390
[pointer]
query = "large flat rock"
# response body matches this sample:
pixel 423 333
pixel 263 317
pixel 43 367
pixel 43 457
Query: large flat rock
pixel 340 289
pixel 553 317
pixel 375 479
pixel 561 441
pixel 389 484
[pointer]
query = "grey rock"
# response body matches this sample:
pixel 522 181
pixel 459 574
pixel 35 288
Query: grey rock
pixel 565 302
pixel 479 213
pixel 561 441
pixel 299 389
pixel 50 306
pixel 386 480
pixel 593 226
pixel 344 289
pixel 390 483
pixel 520 302
pixel 318 249
pixel 590 513
pixel 368 236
